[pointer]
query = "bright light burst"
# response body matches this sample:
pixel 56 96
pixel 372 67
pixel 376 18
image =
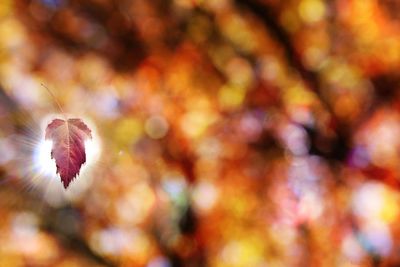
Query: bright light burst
pixel 43 171
pixel 46 166
pixel 43 162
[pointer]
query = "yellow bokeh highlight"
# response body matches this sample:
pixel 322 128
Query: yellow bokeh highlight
pixel 298 95
pixel 195 123
pixel 5 8
pixel 390 209
pixel 128 130
pixel 243 252
pixel 312 11
pixel 231 97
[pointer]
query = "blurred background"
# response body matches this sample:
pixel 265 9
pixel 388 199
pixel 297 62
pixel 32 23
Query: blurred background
pixel 243 133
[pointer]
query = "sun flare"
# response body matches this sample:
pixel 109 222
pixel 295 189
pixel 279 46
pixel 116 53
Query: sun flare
pixel 45 166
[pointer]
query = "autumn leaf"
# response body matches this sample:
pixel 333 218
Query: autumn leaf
pixel 68 149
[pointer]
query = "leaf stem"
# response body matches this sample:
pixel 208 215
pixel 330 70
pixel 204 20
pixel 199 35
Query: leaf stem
pixel 55 100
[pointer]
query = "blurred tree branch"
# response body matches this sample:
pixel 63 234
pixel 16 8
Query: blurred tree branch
pixel 336 148
pixel 269 19
pixel 107 31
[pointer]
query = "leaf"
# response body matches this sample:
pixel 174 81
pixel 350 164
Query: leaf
pixel 68 149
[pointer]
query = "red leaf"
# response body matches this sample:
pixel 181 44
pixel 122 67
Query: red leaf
pixel 68 146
